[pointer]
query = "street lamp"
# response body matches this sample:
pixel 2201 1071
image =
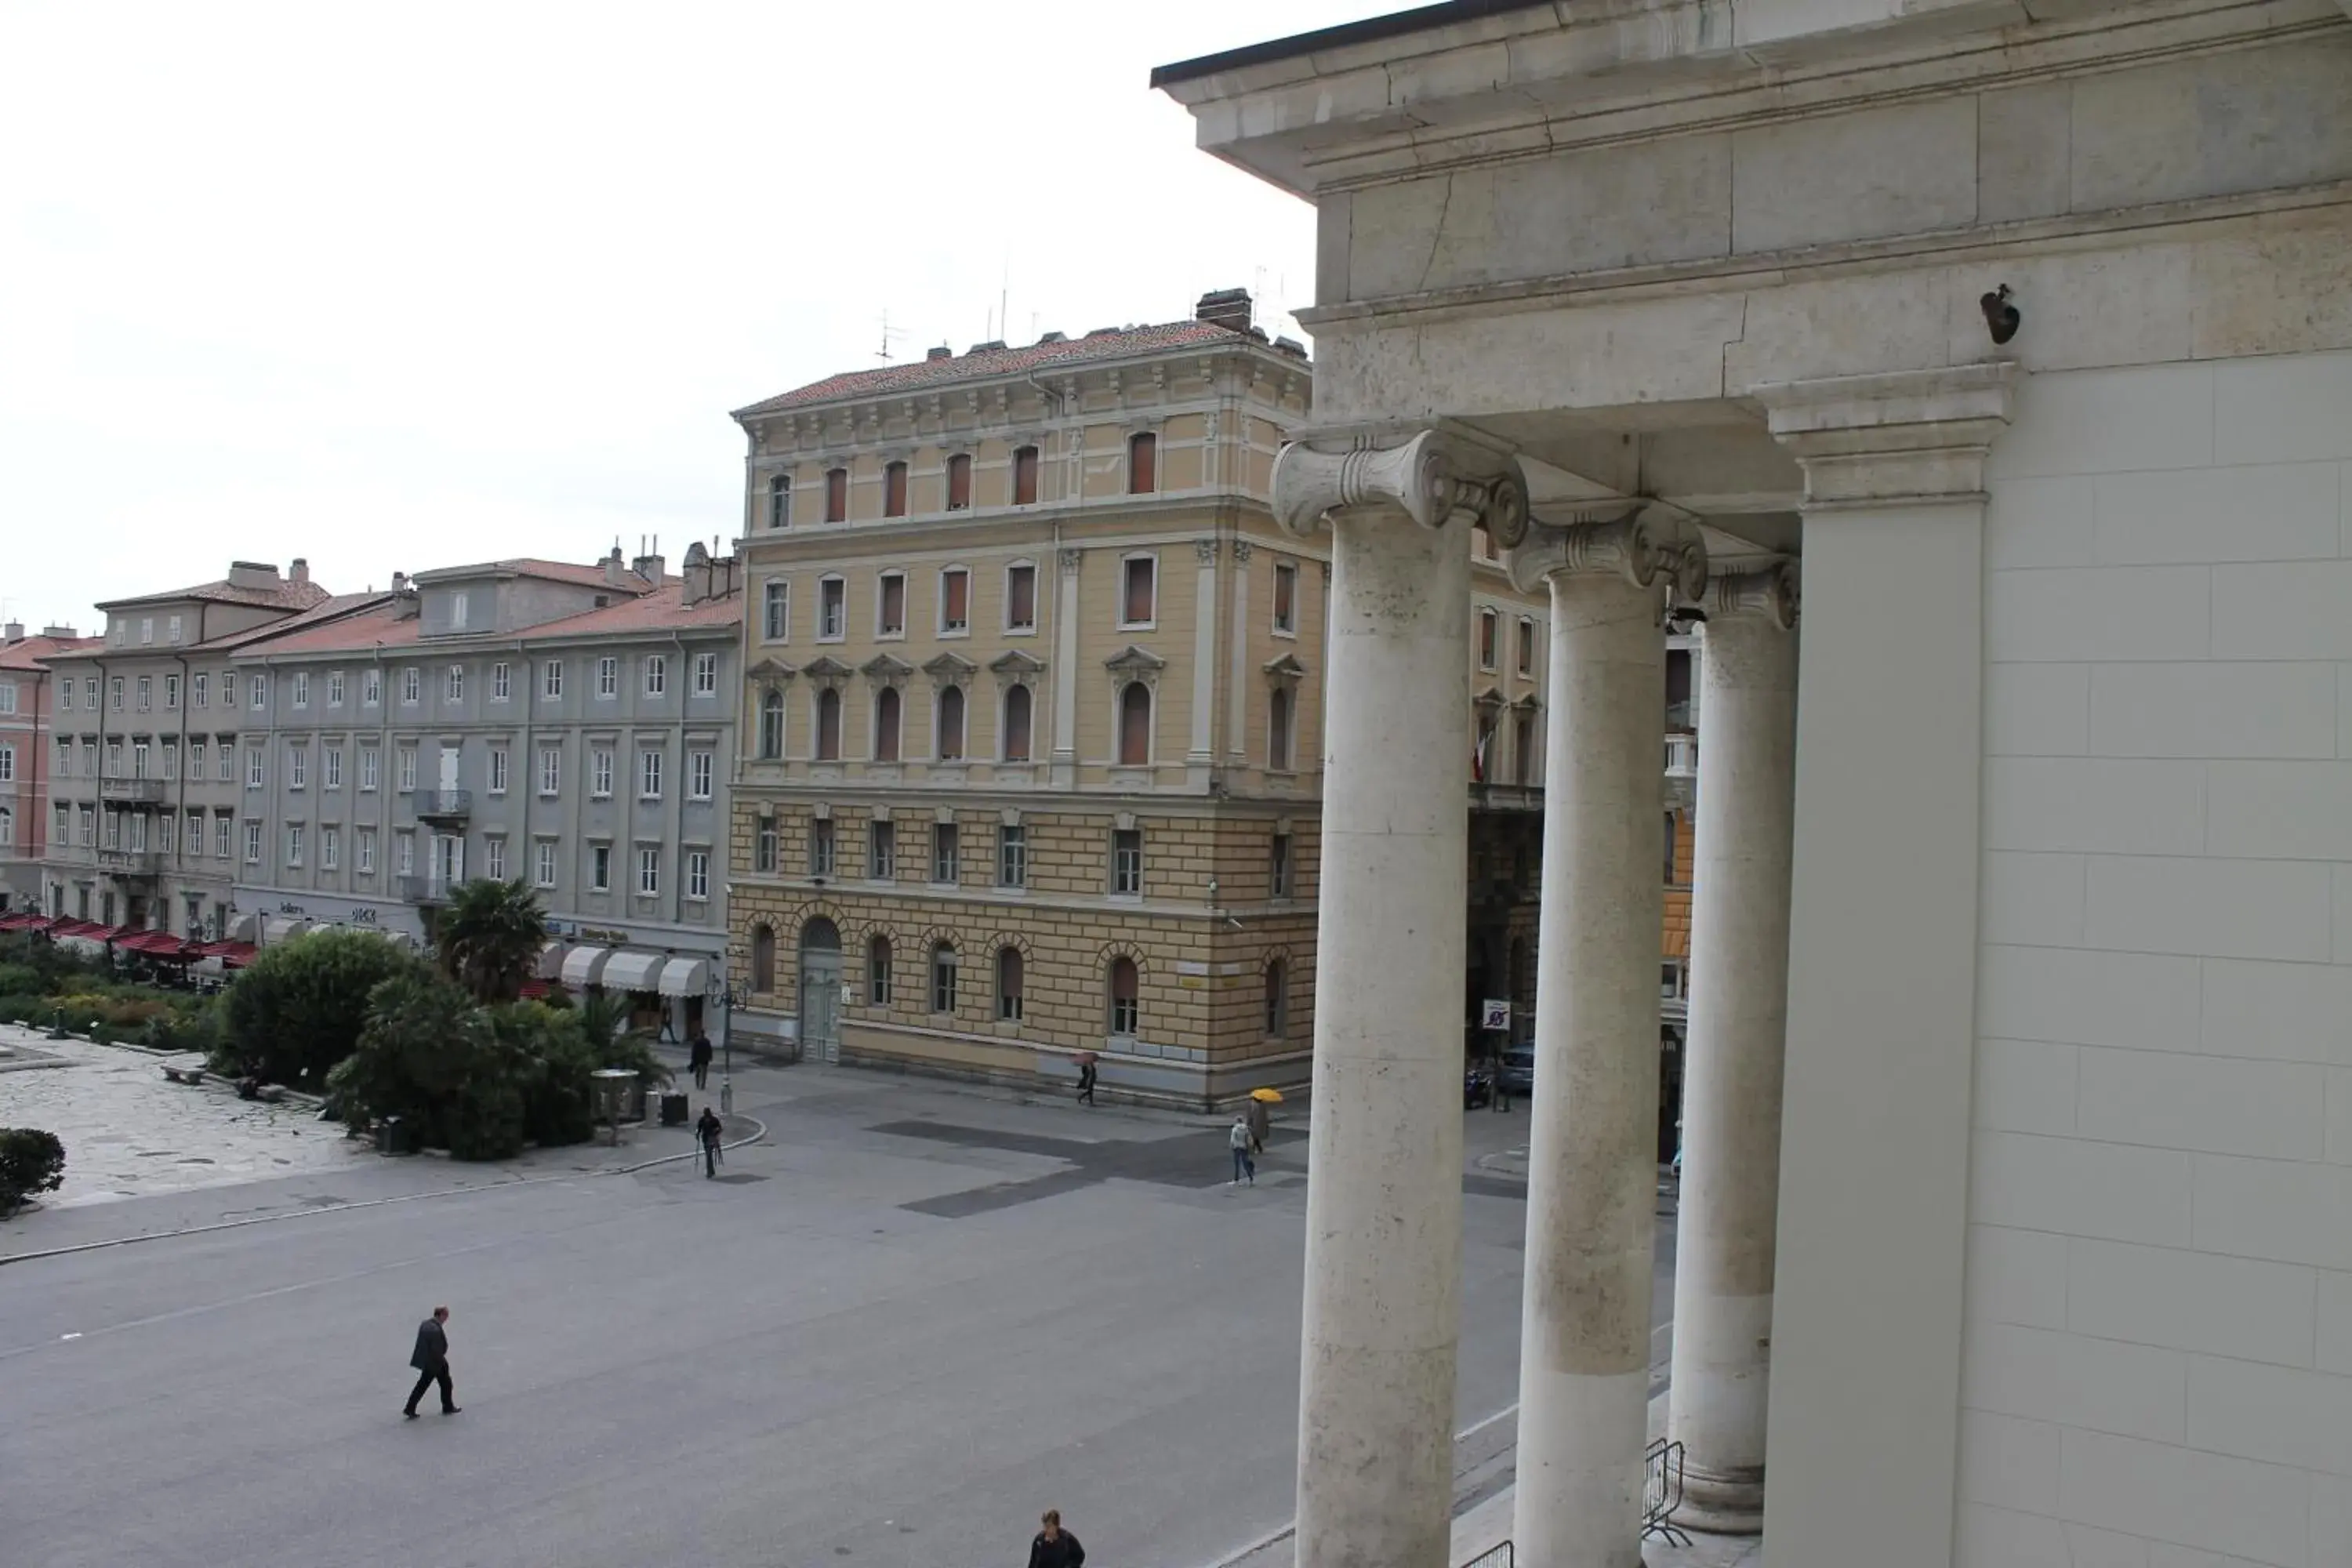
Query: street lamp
pixel 728 999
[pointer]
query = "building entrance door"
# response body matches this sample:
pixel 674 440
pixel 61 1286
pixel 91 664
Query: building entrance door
pixel 820 990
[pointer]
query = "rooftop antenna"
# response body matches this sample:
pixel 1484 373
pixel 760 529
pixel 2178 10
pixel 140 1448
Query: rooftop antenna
pixel 889 331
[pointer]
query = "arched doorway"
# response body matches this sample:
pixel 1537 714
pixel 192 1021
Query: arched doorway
pixel 819 994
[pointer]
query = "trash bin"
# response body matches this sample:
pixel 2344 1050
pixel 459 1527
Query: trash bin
pixel 672 1108
pixel 392 1137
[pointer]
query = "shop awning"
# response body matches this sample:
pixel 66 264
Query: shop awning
pixel 86 930
pixel 277 928
pixel 232 955
pixel 583 965
pixel 24 920
pixel 532 990
pixel 629 970
pixel 550 961
pixel 156 944
pixel 685 977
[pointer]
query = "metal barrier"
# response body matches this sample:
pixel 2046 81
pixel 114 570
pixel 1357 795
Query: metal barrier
pixel 1493 1557
pixel 1662 1492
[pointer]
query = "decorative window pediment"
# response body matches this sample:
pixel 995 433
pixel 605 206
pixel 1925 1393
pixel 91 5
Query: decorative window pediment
pixel 1284 670
pixel 771 668
pixel 885 670
pixel 1016 665
pixel 950 669
pixel 827 671
pixel 1489 699
pixel 1132 663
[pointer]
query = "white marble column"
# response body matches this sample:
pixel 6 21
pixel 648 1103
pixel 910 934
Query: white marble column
pixel 1065 771
pixel 1584 1326
pixel 1384 1175
pixel 1731 1079
pixel 1237 721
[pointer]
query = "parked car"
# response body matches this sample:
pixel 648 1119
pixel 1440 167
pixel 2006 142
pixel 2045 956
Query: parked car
pixel 1518 1074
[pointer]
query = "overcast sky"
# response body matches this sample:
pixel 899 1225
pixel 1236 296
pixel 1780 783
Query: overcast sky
pixel 399 286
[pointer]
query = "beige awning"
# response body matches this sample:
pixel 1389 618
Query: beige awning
pixel 685 977
pixel 583 965
pixel 277 928
pixel 629 970
pixel 550 961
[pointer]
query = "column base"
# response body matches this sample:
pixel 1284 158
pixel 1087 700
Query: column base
pixel 1729 1504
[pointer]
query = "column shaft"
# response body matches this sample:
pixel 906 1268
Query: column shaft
pixel 1385 1189
pixel 1584 1356
pixel 1731 1081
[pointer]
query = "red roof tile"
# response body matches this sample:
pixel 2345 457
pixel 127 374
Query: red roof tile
pixel 589 576
pixel 979 363
pixel 284 596
pixel 334 608
pixel 29 652
pixel 381 626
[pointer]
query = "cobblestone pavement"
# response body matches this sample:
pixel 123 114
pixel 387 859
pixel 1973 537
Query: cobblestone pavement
pixel 129 1133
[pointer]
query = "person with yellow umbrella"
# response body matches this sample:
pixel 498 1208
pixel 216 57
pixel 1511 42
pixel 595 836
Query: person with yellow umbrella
pixel 1260 1121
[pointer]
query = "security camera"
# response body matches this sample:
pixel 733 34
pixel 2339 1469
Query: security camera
pixel 2002 317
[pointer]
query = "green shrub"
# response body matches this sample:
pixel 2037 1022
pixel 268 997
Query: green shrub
pixel 19 980
pixel 31 1161
pixel 430 1056
pixel 300 1008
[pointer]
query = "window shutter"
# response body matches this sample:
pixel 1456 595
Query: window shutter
pixel 1142 462
pixel 836 495
pixel 893 490
pixel 1025 476
pixel 959 482
pixel 1017 724
pixel 1135 725
pixel 1138 590
pixel 957 600
pixel 1021 596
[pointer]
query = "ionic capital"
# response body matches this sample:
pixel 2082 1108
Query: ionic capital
pixel 1666 553
pixel 1770 593
pixel 1904 437
pixel 1431 475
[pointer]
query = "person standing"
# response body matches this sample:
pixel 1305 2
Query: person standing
pixel 697 1056
pixel 1055 1547
pixel 708 1131
pixel 1239 1140
pixel 431 1359
pixel 1261 1125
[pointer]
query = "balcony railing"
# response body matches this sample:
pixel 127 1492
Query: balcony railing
pixel 425 889
pixel 1682 755
pixel 444 805
pixel 131 862
pixel 124 789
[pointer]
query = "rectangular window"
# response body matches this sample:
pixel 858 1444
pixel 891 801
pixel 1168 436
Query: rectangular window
pixel 114 693
pixel 256 693
pixel 196 759
pixel 836 495
pixel 371 768
pixel 90 693
pixel 371 688
pixel 7 764
pixel 550 678
pixel 1140 578
pixel 1278 866
pixel 139 759
pixel 544 872
pixel 196 832
pixel 551 769
pixel 1012 856
pixel 171 758
pixel 608 676
pixel 294 844
pixel 498 770
pixel 1487 625
pixel 172 629
pixel 697 775
pixel 501 682
pixel 649 775
pixel 167 828
pixel 1286 598
pixel 331 767
pixel 453 684
pixel 253 767
pixel 600 775
pixel 412 686
pixel 1526 655
pixel 600 867
pixel 146 692
pixel 698 873
pixel 706 674
pixel 894 490
pixel 330 849
pixel 457 603
pixel 780 501
pixel 1126 861
pixel 878 971
pixel 763 849
pixel 945 861
pixel 649 871
pixel 363 852
pixel 146 628
pixel 775 610
pixel 171 692
pixel 832 609
pixel 404 856
pixel 1142 464
pixel 297 766
pixel 407 764
pixel 494 858
pixel 226 770
pixel 301 688
pixel 1021 598
pixel 959 481
pixel 252 843
pixel 890 609
pixel 657 675
pixel 90 826
pixel 881 851
pixel 955 600
pixel 1025 476
pixel 821 846
pixel 334 688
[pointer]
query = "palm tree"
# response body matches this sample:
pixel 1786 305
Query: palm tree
pixel 490 935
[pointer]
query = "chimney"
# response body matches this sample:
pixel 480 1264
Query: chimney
pixel 299 572
pixel 612 567
pixel 649 565
pixel 400 581
pixel 697 573
pixel 261 574
pixel 67 633
pixel 1227 308
pixel 15 631
pixel 943 352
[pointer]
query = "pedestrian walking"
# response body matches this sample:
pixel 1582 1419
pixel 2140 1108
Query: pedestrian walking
pixel 1087 1082
pixel 1055 1547
pixel 1261 1125
pixel 1244 1166
pixel 707 1130
pixel 431 1359
pixel 697 1056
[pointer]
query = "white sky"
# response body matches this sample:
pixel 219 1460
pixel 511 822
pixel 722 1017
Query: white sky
pixel 399 286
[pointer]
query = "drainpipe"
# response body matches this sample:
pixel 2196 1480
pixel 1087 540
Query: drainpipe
pixel 180 770
pixel 685 788
pixel 40 798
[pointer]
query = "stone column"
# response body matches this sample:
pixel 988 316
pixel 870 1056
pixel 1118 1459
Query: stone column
pixel 1065 771
pixel 1384 1171
pixel 1584 1327
pixel 1200 753
pixel 1237 721
pixel 1867 1290
pixel 1731 1082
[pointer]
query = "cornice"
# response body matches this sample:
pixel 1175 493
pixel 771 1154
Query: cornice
pixel 1904 436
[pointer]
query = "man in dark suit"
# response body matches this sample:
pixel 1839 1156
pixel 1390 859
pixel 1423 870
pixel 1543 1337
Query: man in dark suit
pixel 431 1359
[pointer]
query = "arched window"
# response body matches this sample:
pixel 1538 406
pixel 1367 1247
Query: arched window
pixel 1017 724
pixel 763 958
pixel 1277 729
pixel 878 971
pixel 943 978
pixel 772 726
pixel 1135 725
pixel 893 490
pixel 1142 464
pixel 1277 999
pixel 780 502
pixel 885 725
pixel 951 723
pixel 828 725
pixel 1125 988
pixel 1008 984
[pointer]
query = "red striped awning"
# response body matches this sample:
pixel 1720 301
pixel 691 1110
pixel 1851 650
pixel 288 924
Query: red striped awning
pixel 534 989
pixel 232 955
pixel 156 944
pixel 24 920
